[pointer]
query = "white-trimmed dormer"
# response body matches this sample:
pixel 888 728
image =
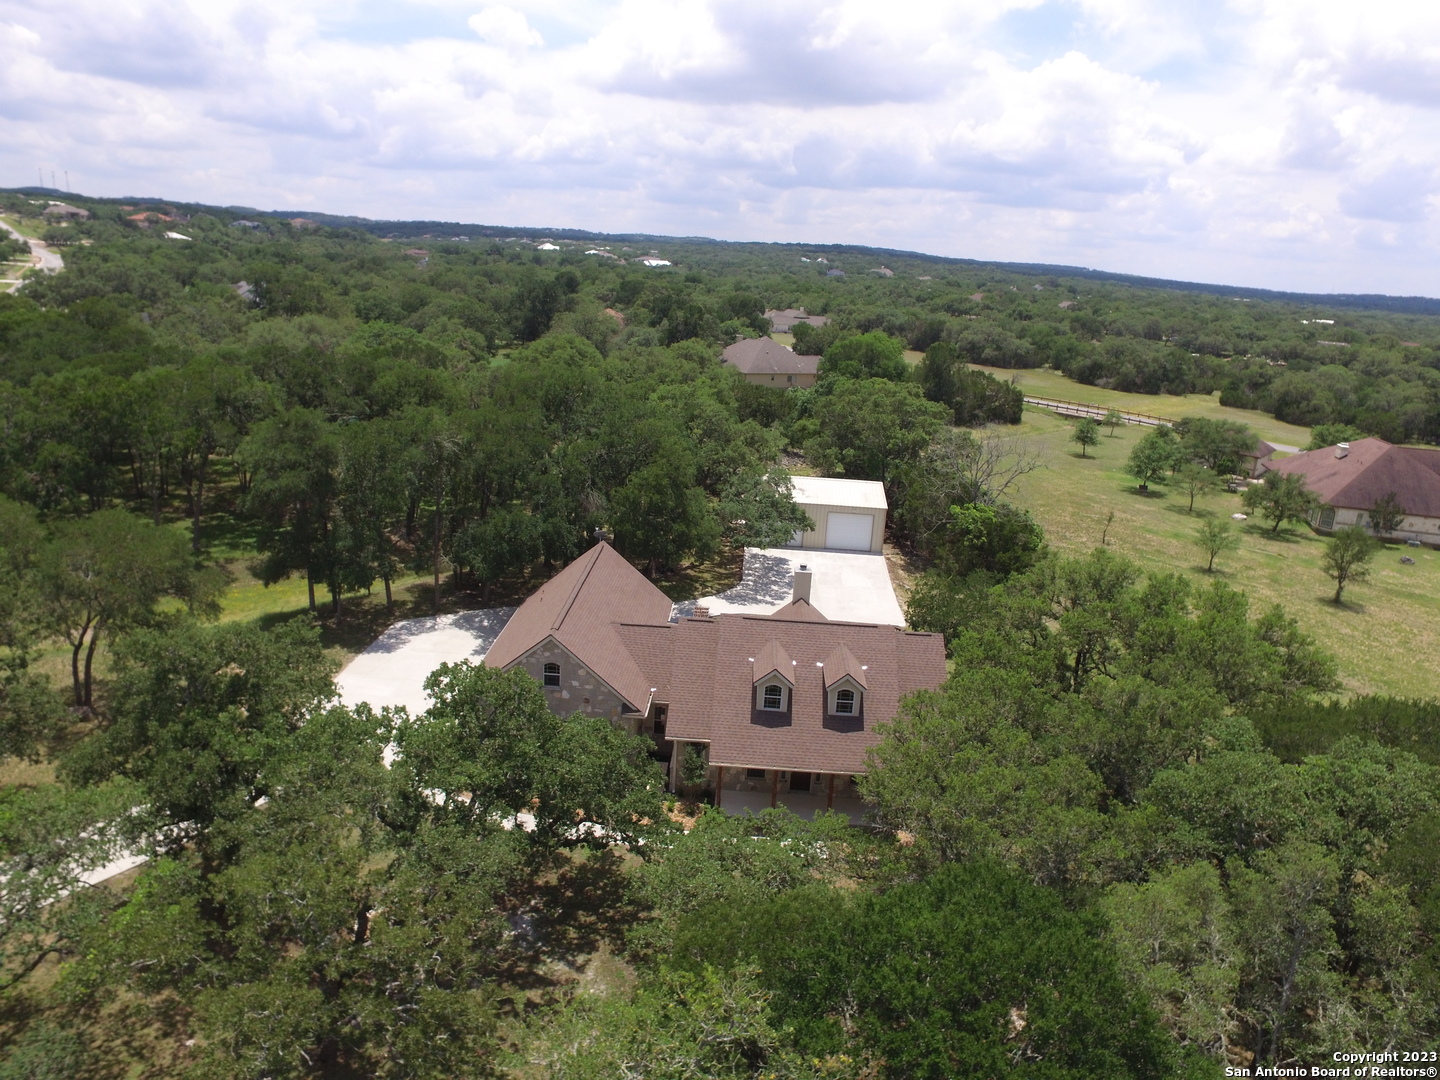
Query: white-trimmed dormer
pixel 845 684
pixel 845 698
pixel 773 677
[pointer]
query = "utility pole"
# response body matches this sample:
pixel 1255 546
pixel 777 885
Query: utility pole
pixel 67 179
pixel 52 178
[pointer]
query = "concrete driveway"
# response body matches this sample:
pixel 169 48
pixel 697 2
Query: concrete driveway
pixel 846 586
pixel 393 670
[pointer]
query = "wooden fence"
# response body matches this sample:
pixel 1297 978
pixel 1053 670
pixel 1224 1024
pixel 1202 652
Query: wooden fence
pixel 1098 412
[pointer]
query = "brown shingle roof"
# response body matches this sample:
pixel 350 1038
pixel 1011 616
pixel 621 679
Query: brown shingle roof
pixel 711 698
pixel 1372 469
pixel 784 320
pixel 799 610
pixel 582 608
pixel 614 621
pixel 772 659
pixel 649 646
pixel 764 356
pixel 840 664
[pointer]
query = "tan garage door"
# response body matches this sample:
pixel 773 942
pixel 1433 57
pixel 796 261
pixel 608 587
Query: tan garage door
pixel 849 532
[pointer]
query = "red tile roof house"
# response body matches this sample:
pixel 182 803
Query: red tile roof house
pixel 1350 478
pixel 786 704
pixel 765 362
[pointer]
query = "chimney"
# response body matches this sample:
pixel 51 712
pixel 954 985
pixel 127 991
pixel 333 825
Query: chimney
pixel 802 583
pixel 1341 449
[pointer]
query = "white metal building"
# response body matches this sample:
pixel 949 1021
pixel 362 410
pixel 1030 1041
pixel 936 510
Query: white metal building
pixel 849 515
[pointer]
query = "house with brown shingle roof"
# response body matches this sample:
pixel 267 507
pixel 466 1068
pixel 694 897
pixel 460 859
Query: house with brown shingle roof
pixel 65 210
pixel 566 636
pixel 1254 460
pixel 765 362
pixel 782 321
pixel 1349 478
pixel 786 705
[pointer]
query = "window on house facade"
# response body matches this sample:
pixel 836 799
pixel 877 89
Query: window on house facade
pixel 552 674
pixel 845 702
pixel 1327 517
pixel 754 774
pixel 773 697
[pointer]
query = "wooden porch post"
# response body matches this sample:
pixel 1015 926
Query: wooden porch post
pixel 719 784
pixel 774 786
pixel 830 794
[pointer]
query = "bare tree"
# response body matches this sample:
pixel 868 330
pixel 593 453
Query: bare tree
pixel 959 468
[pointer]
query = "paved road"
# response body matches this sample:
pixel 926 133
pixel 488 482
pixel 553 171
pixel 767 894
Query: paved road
pixel 43 257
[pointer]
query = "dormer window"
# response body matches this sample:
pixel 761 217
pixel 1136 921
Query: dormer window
pixel 772 670
pixel 845 684
pixel 845 698
pixel 552 675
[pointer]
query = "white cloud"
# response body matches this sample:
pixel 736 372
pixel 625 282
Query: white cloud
pixel 504 26
pixel 1288 143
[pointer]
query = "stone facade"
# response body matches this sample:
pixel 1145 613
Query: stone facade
pixel 580 689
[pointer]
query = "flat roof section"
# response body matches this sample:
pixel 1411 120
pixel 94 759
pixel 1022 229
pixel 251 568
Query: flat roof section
pixel 832 491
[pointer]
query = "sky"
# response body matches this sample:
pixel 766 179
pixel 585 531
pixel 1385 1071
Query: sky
pixel 1287 144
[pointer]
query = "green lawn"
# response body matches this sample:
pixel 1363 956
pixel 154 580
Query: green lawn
pixel 1386 637
pixel 1042 382
pixel 25 227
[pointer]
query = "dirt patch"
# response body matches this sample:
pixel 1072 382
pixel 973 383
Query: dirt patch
pixel 903 568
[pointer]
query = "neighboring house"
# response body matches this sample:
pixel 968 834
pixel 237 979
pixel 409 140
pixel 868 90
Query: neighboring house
pixel 849 515
pixel 65 210
pixel 786 704
pixel 547 246
pixel 1349 478
pixel 782 321
pixel 242 223
pixel 1255 461
pixel 765 362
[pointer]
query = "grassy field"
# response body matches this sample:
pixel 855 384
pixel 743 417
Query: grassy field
pixel 24 226
pixel 1386 636
pixel 1042 382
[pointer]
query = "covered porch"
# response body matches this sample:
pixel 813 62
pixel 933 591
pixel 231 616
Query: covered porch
pixel 740 790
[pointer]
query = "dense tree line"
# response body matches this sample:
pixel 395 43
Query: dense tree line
pixel 1128 837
